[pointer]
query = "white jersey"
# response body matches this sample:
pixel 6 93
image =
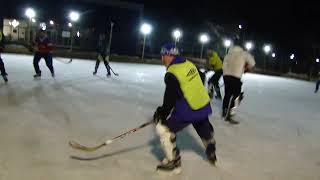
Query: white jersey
pixel 235 62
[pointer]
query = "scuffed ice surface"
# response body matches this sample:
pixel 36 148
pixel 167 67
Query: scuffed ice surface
pixel 278 137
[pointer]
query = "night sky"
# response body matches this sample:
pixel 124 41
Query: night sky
pixel 290 26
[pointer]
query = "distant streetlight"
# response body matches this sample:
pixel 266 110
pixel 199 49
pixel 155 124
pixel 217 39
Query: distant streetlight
pixel 240 26
pixel 74 16
pixel 204 38
pixel 292 56
pixel 43 26
pixel 273 55
pixel 51 22
pixel 249 46
pixel 78 34
pixel 267 49
pixel 33 20
pixel 145 30
pixel 30 13
pixel 227 44
pixel 70 24
pixel 177 35
pixel 317 60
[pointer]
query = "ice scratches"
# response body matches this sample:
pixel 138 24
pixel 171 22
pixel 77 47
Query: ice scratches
pixel 3 171
pixel 298 132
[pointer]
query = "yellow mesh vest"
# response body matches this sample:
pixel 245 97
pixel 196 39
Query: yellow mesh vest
pixel 191 85
pixel 215 61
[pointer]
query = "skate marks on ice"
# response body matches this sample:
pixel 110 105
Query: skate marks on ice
pixel 36 100
pixel 3 170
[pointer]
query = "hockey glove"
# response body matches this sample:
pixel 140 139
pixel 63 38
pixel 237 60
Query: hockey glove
pixel 158 115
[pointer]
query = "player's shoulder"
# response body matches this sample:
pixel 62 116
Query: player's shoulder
pixel 169 77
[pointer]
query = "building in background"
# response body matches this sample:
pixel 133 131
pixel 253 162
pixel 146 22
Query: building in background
pixel 15 29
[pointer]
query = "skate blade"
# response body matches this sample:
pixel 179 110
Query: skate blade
pixel 174 172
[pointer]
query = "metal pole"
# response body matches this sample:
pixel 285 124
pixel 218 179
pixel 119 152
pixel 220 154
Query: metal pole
pixel 176 41
pixel 265 62
pixel 110 40
pixel 29 32
pixel 201 50
pixel 71 36
pixel 144 42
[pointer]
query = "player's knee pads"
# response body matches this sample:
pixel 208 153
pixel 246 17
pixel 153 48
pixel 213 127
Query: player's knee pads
pixel 168 141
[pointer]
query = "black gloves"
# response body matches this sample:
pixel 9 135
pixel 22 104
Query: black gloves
pixel 159 115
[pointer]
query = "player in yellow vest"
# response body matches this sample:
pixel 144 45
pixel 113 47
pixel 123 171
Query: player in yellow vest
pixel 187 102
pixel 215 63
pixel 2 68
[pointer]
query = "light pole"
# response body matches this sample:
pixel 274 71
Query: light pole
pixel 74 17
pixel 273 55
pixel 30 13
pixel 145 30
pixel 54 34
pixel 267 50
pixel 204 38
pixel 110 40
pixel 177 35
pixel 227 44
pixel 241 33
pixel 291 58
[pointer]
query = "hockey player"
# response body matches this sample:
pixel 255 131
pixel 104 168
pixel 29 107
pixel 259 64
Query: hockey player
pixel 2 68
pixel 215 63
pixel 188 102
pixel 43 50
pixel 236 62
pixel 102 54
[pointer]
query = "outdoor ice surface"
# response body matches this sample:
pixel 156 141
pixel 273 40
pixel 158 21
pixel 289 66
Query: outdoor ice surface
pixel 278 137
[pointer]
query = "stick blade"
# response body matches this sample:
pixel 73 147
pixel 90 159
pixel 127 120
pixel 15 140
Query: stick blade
pixel 78 146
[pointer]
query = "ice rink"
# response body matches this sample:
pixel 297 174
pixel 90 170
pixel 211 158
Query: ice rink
pixel 278 137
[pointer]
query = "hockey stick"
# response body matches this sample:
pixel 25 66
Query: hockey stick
pixel 78 146
pixel 62 61
pixel 116 74
pixel 100 58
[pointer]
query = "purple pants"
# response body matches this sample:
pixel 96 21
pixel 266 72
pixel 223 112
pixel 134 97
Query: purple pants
pixel 203 127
